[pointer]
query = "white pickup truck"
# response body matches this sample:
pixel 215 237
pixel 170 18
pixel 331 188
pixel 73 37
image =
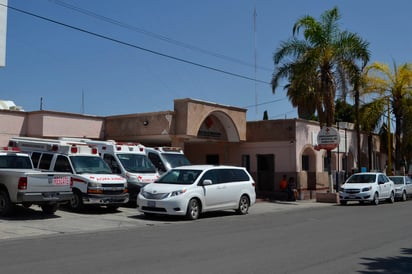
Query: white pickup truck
pixel 21 184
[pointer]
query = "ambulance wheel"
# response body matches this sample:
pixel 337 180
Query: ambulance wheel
pixel 76 203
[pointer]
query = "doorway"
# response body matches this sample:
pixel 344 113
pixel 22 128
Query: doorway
pixel 266 172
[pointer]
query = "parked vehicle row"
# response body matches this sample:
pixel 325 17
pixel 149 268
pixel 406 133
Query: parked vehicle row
pixel 371 187
pixel 110 173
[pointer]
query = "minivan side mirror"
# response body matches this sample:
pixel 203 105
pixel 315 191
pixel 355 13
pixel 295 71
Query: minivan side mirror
pixel 207 182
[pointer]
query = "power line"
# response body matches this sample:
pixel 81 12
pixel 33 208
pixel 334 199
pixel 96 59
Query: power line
pixel 265 103
pixel 151 34
pixel 135 46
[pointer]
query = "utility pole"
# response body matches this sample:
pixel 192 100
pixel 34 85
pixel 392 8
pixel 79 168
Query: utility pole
pixel 254 34
pixel 389 171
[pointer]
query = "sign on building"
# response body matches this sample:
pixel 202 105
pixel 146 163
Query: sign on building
pixel 328 138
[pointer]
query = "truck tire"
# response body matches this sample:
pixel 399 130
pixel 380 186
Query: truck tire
pixel 49 208
pixel 5 203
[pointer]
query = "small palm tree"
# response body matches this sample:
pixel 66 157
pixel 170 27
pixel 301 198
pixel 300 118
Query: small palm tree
pixel 394 86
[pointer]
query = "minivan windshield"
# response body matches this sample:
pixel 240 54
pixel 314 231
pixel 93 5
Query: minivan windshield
pixel 176 159
pixel 179 177
pixel 136 163
pixel 90 164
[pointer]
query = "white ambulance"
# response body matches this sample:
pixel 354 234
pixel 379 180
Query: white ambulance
pixel 93 181
pixel 126 159
pixel 165 158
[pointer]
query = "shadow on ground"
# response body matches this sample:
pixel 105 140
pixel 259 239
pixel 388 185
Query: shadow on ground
pixel 401 264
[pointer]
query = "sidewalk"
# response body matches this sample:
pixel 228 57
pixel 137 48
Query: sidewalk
pixel 31 222
pixel 268 205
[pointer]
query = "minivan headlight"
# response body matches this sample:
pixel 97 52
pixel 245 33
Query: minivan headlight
pixel 177 192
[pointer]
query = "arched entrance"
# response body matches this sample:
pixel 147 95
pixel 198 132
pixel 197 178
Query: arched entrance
pixel 217 125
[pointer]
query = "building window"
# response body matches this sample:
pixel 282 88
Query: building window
pixel 305 162
pixel 246 162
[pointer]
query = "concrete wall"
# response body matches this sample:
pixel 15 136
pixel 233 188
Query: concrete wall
pixel 57 124
pixel 13 123
pixel 149 128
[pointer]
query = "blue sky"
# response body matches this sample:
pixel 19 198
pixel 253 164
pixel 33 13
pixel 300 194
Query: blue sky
pixel 74 71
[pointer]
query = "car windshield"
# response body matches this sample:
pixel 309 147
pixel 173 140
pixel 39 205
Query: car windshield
pixel 136 163
pixel 361 179
pixel 90 164
pixel 397 180
pixel 179 177
pixel 176 159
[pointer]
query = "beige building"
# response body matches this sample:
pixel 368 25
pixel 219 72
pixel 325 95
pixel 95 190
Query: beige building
pixel 214 134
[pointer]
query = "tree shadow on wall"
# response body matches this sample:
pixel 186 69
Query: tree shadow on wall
pixel 395 265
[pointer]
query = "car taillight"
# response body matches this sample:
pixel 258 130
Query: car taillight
pixel 253 184
pixel 22 185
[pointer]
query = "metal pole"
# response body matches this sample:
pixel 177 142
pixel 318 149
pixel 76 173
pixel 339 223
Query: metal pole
pixel 338 158
pixel 346 155
pixel 389 171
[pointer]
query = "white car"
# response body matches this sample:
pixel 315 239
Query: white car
pixel 403 187
pixel 367 187
pixel 191 190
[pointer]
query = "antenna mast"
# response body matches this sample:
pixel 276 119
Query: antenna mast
pixel 254 36
pixel 82 101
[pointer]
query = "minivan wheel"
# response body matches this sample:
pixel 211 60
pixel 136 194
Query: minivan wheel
pixel 193 209
pixel 375 200
pixel 244 205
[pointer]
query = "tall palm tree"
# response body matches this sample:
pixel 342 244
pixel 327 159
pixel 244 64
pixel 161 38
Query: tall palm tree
pixel 396 86
pixel 320 64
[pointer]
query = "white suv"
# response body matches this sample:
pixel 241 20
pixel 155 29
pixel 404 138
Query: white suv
pixel 191 190
pixel 367 186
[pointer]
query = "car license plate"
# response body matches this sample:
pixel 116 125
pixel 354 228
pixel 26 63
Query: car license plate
pixel 151 203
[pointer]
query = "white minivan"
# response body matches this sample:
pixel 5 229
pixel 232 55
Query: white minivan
pixel 191 190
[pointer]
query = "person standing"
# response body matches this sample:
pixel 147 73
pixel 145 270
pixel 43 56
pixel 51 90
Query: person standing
pixel 292 191
pixel 283 183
